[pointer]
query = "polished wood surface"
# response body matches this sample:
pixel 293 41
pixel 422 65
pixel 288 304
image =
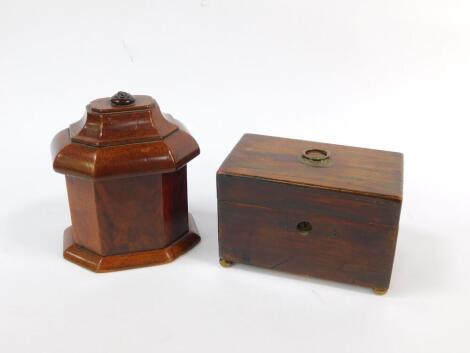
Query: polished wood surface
pixel 97 263
pixel 125 168
pixel 83 160
pixel 356 170
pixel 122 215
pixel 289 216
pixel 107 124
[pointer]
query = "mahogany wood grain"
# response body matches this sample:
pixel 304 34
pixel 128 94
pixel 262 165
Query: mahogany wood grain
pixel 352 209
pixel 125 168
pixel 97 263
pixel 355 170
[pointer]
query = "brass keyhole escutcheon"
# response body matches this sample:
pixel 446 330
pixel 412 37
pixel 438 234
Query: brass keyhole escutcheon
pixel 316 157
pixel 304 227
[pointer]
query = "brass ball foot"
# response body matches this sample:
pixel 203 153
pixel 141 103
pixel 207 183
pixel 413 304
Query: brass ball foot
pixel 225 263
pixel 380 291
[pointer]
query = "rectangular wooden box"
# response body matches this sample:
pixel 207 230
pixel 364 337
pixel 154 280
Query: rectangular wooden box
pixel 335 219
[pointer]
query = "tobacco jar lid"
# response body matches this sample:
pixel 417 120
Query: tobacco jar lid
pixel 123 135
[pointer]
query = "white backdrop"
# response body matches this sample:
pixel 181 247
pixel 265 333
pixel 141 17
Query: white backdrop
pixel 390 75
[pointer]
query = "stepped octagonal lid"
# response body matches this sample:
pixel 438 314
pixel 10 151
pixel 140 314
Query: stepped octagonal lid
pixel 120 136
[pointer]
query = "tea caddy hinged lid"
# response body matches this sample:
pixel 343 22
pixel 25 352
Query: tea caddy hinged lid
pixel 318 165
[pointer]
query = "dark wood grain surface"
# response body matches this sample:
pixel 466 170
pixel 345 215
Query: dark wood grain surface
pixel 278 213
pixel 357 170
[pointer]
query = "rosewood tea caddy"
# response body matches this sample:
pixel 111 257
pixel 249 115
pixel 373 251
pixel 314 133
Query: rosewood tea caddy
pixel 125 167
pixel 311 208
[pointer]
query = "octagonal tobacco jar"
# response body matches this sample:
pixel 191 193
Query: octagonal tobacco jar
pixel 125 169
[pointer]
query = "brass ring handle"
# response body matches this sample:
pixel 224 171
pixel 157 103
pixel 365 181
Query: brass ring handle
pixel 316 154
pixel 316 157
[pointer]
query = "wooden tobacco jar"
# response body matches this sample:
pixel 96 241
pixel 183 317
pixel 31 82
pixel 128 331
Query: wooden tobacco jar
pixel 125 167
pixel 311 208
